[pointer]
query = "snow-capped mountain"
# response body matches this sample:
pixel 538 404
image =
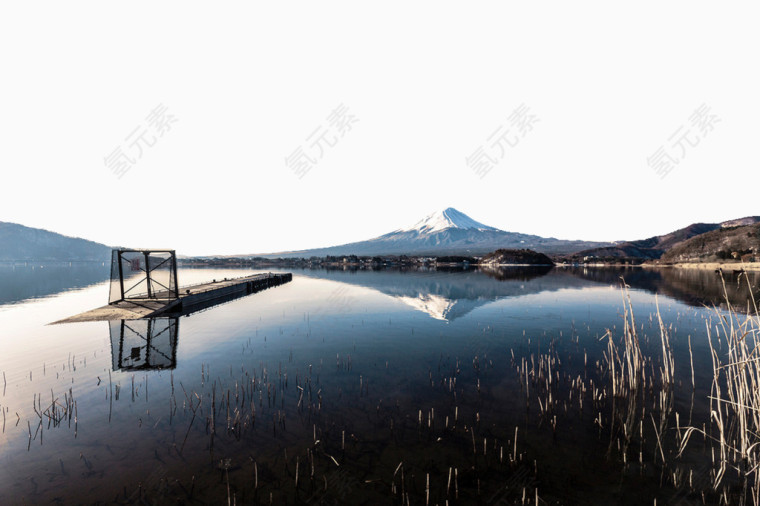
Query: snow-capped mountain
pixel 443 220
pixel 446 232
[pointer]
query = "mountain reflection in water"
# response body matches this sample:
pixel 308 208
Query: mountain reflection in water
pixel 30 280
pixel 448 294
pixel 433 369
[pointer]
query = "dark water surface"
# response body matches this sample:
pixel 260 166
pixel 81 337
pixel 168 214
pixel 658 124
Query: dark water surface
pixel 348 387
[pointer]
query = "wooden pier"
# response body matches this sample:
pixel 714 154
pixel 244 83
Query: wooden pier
pixel 191 298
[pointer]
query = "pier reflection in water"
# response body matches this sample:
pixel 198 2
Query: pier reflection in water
pixel 144 344
pixel 402 377
pixel 151 343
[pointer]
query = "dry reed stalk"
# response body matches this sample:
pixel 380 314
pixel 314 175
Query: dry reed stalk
pixel 735 396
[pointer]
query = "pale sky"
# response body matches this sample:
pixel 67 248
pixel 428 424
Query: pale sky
pixel 427 83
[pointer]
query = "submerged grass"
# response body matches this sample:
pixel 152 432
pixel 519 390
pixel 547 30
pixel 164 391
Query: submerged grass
pixel 258 435
pixel 643 398
pixel 735 399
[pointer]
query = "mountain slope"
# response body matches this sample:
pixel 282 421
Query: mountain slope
pixel 725 243
pixel 446 232
pixel 20 243
pixel 655 247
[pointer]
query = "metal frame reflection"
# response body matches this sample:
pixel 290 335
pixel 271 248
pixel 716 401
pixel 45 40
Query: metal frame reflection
pixel 154 339
pixel 144 344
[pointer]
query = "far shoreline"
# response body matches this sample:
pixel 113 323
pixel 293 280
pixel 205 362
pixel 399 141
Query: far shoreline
pixel 725 266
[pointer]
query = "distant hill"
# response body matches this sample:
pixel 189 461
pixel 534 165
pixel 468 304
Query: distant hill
pixel 450 233
pixel 20 243
pixel 655 247
pixel 515 257
pixel 446 232
pixel 725 243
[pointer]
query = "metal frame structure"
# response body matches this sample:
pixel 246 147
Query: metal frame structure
pixel 169 292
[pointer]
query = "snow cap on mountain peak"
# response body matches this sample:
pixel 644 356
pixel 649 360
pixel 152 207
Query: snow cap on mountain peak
pixel 446 219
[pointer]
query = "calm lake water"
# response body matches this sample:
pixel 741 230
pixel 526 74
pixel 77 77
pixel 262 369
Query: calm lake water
pixel 350 387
